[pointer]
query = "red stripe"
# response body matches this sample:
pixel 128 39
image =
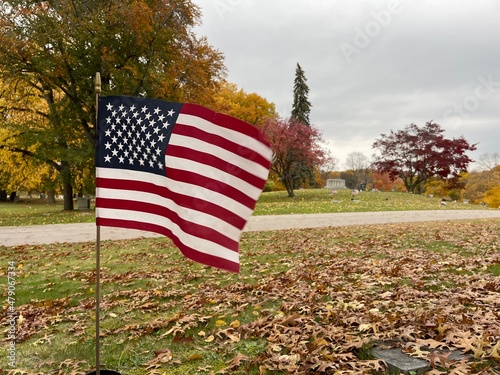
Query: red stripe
pixel 187 226
pixel 186 201
pixel 224 121
pixel 247 153
pixel 211 184
pixel 216 162
pixel 188 252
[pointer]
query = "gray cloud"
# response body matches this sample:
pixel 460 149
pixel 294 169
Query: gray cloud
pixel 371 66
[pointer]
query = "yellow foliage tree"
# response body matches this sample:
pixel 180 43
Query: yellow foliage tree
pixel 477 184
pixel 251 108
pixel 492 197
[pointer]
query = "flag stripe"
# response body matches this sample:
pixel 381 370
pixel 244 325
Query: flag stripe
pixel 237 131
pixel 208 258
pixel 182 176
pixel 174 162
pixel 130 183
pixel 232 175
pixel 166 217
pixel 156 204
pixel 225 148
pixel 195 242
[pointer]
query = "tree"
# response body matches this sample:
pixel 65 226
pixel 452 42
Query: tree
pixel 480 184
pixel 249 107
pixel 293 144
pixel 417 153
pixel 50 52
pixel 301 107
pixel 488 160
pixel 357 168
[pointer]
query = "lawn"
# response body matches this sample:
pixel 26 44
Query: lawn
pixel 37 212
pixel 306 301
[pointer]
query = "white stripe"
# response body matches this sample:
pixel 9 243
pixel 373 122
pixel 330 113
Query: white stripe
pixel 234 136
pixel 196 191
pixel 199 244
pixel 231 158
pixel 190 215
pixel 213 173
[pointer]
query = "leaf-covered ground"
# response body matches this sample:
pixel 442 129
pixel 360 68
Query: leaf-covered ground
pixel 307 302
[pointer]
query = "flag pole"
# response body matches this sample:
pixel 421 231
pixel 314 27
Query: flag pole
pixel 98 248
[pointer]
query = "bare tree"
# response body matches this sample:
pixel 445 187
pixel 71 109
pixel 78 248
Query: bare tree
pixel 358 169
pixel 488 161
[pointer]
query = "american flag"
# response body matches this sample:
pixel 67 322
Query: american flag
pixel 180 170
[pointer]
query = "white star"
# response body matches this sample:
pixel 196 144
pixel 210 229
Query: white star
pixel 107 159
pixel 107 145
pixel 114 139
pixel 171 112
pixel 132 109
pixel 161 137
pixel 121 159
pixel 157 110
pixel 160 165
pixel 108 120
pixel 130 161
pixel 109 106
pixel 115 152
pixel 161 117
pixel 108 133
pixel 121 107
pixel 144 109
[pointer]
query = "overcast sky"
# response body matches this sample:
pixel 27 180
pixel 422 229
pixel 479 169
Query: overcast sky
pixel 371 66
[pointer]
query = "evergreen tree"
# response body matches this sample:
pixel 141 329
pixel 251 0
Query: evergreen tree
pixel 301 105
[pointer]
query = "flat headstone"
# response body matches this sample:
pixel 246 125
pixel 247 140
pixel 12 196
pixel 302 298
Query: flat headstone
pixel 399 361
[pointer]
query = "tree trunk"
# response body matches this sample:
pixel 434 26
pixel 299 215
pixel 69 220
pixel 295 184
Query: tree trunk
pixel 68 196
pixel 289 187
pixel 51 196
pixel 67 187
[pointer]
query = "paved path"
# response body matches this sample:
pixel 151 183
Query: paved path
pixel 53 233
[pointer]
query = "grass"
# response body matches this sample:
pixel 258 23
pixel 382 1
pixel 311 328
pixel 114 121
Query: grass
pixel 312 297
pixel 37 212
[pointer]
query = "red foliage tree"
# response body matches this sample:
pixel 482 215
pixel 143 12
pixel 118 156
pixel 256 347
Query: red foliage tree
pixel 417 153
pixel 296 147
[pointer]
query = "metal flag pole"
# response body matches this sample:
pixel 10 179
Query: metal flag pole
pixel 98 258
pixel 98 248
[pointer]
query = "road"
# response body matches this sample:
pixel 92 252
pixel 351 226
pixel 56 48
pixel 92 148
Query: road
pixel 60 233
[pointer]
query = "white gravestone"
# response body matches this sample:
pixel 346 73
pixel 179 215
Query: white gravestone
pixel 335 183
